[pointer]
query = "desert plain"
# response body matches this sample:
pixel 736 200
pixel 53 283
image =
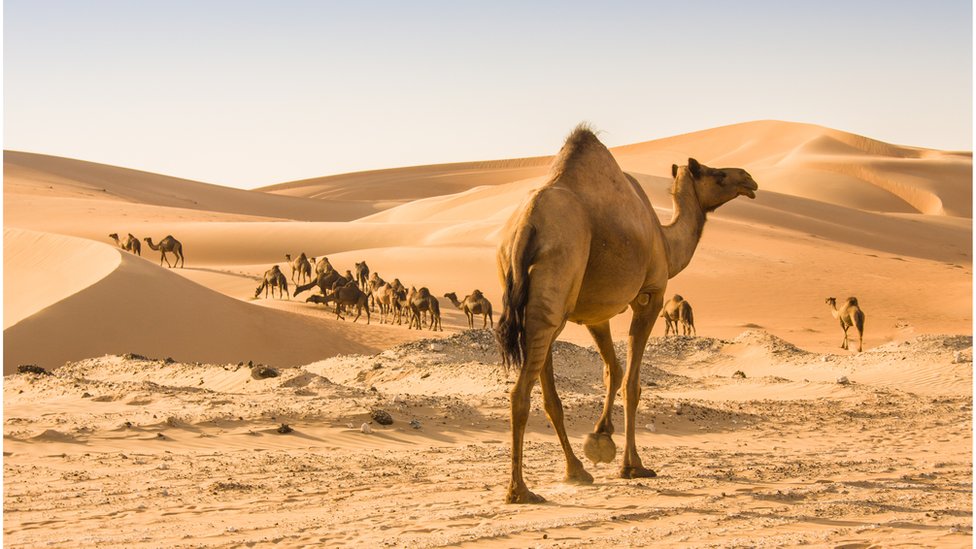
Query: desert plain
pixel 155 428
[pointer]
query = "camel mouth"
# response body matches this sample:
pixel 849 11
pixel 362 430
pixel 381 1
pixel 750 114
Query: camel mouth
pixel 748 192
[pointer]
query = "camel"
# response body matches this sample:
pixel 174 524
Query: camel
pixel 421 301
pixel 677 311
pixel 348 295
pixel 669 312
pixel 401 303
pixel 582 248
pixel 324 281
pixel 300 266
pixel 362 275
pixel 273 278
pixel 382 293
pixel 849 315
pixel 168 244
pixel 130 244
pixel 474 304
pixel 323 266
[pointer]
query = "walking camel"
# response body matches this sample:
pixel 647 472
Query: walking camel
pixel 168 244
pixel 362 275
pixel 583 248
pixel 474 304
pixel 130 244
pixel 849 315
pixel 273 278
pixel 300 266
pixel 422 301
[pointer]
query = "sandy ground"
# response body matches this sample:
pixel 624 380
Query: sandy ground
pixel 182 450
pixel 131 452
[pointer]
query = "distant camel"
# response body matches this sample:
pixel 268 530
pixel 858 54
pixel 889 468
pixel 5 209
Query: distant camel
pixel 677 311
pixel 168 244
pixel 849 315
pixel 582 248
pixel 474 304
pixel 401 304
pixel 323 266
pixel 324 281
pixel 300 266
pixel 382 294
pixel 423 301
pixel 130 244
pixel 348 295
pixel 273 278
pixel 362 275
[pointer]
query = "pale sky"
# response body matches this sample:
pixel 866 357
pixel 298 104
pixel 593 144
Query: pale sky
pixel 251 93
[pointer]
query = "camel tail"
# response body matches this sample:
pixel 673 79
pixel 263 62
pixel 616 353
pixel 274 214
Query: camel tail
pixel 510 332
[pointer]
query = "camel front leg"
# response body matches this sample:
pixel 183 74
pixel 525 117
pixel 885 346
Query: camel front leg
pixel 845 327
pixel 575 473
pixel 646 308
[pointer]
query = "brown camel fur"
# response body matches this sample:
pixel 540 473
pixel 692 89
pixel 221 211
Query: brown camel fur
pixel 581 249
pixel 300 266
pixel 362 275
pixel 323 281
pixel 348 295
pixel 686 316
pixel 669 312
pixel 382 294
pixel 849 315
pixel 168 244
pixel 474 304
pixel 422 301
pixel 323 266
pixel 131 244
pixel 273 278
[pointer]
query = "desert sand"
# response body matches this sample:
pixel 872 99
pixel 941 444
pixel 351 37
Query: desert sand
pixel 154 430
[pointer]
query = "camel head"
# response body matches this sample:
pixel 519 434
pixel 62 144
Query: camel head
pixel 715 186
pixel 287 257
pixel 114 236
pixel 832 301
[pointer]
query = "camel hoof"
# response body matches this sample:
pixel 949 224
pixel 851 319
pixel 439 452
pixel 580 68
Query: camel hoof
pixel 523 496
pixel 579 476
pixel 599 448
pixel 636 472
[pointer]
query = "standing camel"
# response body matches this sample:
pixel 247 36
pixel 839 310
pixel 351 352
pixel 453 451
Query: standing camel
pixel 168 244
pixel 583 248
pixel 474 304
pixel 300 266
pixel 273 278
pixel 677 311
pixel 422 301
pixel 130 244
pixel 849 315
pixel 362 275
pixel 348 295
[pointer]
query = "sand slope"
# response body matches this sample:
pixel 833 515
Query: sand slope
pixel 129 305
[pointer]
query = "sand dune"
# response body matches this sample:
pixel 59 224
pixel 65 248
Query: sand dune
pixel 196 450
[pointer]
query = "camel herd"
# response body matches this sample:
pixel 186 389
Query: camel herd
pixel 168 244
pixel 367 292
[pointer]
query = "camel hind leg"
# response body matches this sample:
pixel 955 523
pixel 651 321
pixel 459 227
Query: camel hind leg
pixel 859 324
pixel 575 473
pixel 599 446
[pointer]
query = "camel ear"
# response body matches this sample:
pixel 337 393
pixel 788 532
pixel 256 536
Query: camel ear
pixel 674 170
pixel 695 168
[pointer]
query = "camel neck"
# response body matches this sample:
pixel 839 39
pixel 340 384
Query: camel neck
pixel 682 234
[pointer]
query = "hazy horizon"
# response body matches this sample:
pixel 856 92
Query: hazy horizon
pixel 253 94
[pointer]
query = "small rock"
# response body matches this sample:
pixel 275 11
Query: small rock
pixel 86 395
pixel 263 372
pixel 425 375
pixel 169 360
pixel 435 347
pixel 382 417
pixel 284 429
pixel 739 374
pixel 377 365
pixel 32 369
pixel 651 427
pixel 160 436
pixel 366 429
pixel 825 358
pixel 415 423
pixel 843 380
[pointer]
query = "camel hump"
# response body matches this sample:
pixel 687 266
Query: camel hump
pixel 852 301
pixel 477 294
